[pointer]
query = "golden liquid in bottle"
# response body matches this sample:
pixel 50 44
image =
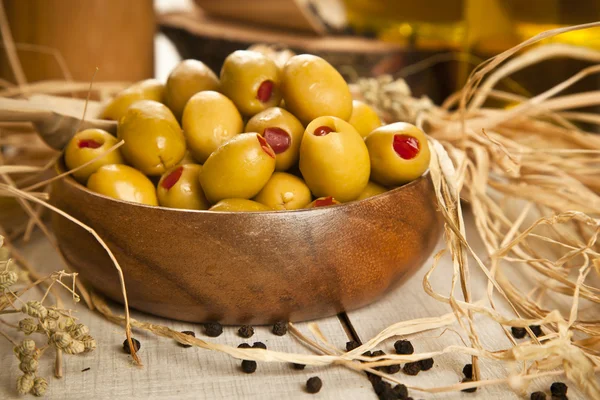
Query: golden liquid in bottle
pixel 481 28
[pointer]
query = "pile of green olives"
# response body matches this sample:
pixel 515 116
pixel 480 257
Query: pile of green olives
pixel 257 137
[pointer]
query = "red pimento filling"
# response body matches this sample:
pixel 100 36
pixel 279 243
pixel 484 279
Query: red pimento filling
pixel 265 90
pixel 88 144
pixel 278 139
pixel 326 201
pixel 265 146
pixel 323 130
pixel 406 146
pixel 171 179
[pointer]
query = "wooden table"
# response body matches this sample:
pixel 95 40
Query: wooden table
pixel 171 371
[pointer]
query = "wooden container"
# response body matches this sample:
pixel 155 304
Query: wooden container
pixel 249 267
pixel 114 35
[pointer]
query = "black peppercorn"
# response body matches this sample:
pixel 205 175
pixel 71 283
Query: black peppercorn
pixel 378 353
pixel 404 347
pixel 187 333
pixel 367 354
pixel 558 389
pixel 259 345
pixel 280 328
pixel 244 346
pixel 401 391
pixel 426 364
pixel 412 368
pixel 518 333
pixel 381 386
pixel 469 390
pixel 314 384
pixel 468 371
pixel 351 345
pixel 392 369
pixel 538 396
pixel 537 330
pixel 387 394
pixel 136 344
pixel 213 329
pixel 246 331
pixel 248 366
pixel 298 366
pixel 373 378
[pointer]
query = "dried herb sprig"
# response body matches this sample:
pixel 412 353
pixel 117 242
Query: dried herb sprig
pixel 59 329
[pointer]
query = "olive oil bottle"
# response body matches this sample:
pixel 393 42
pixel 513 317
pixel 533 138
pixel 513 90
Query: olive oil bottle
pixel 479 29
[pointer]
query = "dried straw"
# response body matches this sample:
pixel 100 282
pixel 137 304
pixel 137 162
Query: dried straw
pixel 532 155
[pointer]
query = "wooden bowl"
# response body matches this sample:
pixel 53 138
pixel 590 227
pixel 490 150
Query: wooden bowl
pixel 254 268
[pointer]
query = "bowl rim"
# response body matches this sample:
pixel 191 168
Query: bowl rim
pixel 60 168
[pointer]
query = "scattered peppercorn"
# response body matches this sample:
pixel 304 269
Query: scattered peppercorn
pixel 538 396
pixel 298 366
pixel 246 331
pixel 187 333
pixel 244 346
pixel 558 389
pixel 381 386
pixel 351 345
pixel 412 368
pixel 468 371
pixel 259 345
pixel 401 391
pixel 373 378
pixel 367 354
pixel 314 384
pixel 537 330
pixel 213 329
pixel 469 390
pixel 387 394
pixel 248 366
pixel 426 364
pixel 280 328
pixel 378 353
pixel 404 347
pixel 518 333
pixel 136 344
pixel 392 369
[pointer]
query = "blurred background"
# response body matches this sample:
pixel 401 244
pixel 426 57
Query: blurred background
pixel 434 44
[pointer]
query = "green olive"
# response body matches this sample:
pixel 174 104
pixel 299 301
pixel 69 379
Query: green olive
pixel 399 153
pixel 334 160
pixel 153 139
pixel 149 89
pixel 372 189
pixel 87 145
pixel 284 192
pixel 187 159
pixel 123 183
pixel 239 205
pixel 209 120
pixel 313 88
pixel 188 78
pixel 282 131
pixel 323 202
pixel 238 169
pixel 251 80
pixel 364 119
pixel 180 188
